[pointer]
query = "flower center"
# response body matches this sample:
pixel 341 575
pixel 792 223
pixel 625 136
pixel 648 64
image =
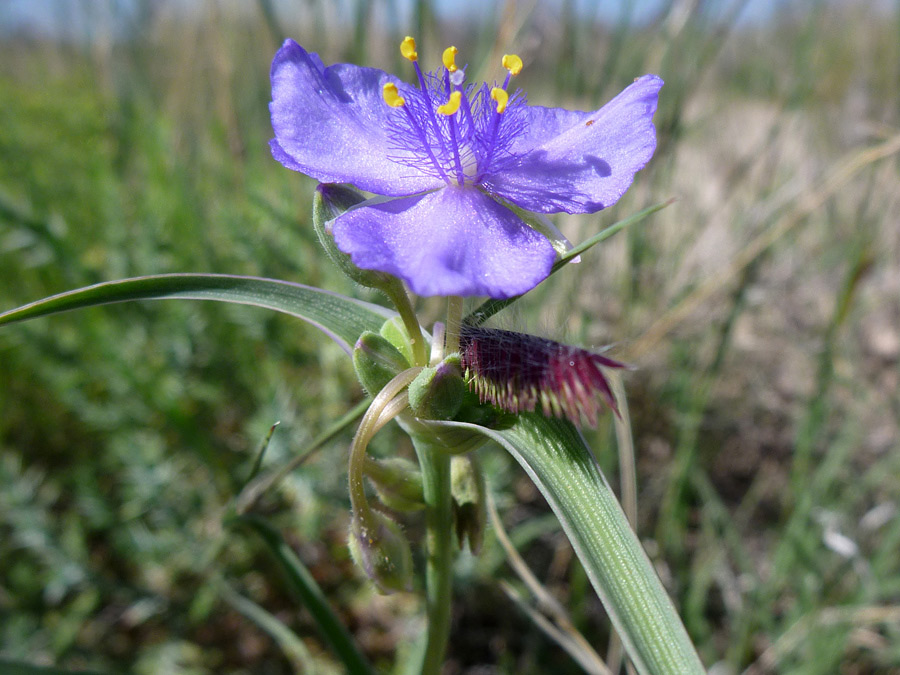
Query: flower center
pixel 449 129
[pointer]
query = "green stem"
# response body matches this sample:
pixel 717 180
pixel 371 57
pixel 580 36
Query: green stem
pixel 390 400
pixel 400 299
pixel 435 465
pixel 454 320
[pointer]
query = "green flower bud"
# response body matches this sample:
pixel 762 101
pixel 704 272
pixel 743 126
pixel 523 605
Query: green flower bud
pixel 380 549
pixel 438 392
pixel 469 505
pixel 376 361
pixel 398 483
pixel 394 331
pixel 330 201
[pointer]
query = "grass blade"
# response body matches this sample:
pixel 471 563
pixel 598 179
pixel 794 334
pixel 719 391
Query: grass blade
pixel 490 307
pixel 302 583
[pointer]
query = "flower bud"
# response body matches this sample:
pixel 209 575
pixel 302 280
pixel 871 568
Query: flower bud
pixel 394 331
pixel 469 507
pixel 398 483
pixel 380 549
pixel 330 201
pixel 437 393
pixel 376 361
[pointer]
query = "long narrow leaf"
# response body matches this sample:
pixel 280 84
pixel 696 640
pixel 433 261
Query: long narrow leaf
pixel 561 465
pixel 302 583
pixel 488 308
pixel 342 318
pixel 291 645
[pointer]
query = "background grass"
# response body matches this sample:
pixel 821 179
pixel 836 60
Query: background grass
pixel 762 309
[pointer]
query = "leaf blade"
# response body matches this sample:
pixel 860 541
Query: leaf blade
pixel 340 317
pixel 489 307
pixel 554 455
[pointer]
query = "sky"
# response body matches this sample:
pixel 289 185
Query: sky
pixel 59 17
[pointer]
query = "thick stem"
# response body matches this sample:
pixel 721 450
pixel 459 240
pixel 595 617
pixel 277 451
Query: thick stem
pixel 435 465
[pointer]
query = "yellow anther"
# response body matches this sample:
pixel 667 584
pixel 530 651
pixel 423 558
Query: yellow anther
pixel 501 97
pixel 512 63
pixel 452 105
pixel 449 58
pixel 391 96
pixel 408 49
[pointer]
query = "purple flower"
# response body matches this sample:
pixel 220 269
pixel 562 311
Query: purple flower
pixel 452 162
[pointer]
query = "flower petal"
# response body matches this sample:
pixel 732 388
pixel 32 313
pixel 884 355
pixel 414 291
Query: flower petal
pixel 330 123
pixel 455 241
pixel 580 162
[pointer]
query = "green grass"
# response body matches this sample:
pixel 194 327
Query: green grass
pixel 762 311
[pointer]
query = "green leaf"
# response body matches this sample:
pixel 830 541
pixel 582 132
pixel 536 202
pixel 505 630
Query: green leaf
pixel 302 583
pixel 564 470
pixel 342 318
pixel 291 645
pixel 488 308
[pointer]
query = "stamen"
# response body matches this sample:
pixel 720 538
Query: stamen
pixel 449 109
pixel 391 96
pixel 408 49
pixel 501 97
pixel 511 62
pixel 449 59
pixel 452 105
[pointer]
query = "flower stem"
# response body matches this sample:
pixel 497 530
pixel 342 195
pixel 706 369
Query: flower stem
pixel 435 465
pixel 454 321
pixel 387 404
pixel 398 296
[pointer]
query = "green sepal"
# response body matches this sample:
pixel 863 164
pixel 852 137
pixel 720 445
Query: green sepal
pixel 469 505
pixel 330 201
pixel 376 361
pixel 398 483
pixel 437 393
pixel 394 331
pixel 379 547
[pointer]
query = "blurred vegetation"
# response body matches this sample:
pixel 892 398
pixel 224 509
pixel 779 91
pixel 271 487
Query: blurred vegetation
pixel 762 309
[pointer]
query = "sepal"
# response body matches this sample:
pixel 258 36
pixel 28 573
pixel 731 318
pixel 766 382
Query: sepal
pixel 437 393
pixel 394 331
pixel 469 501
pixel 378 546
pixel 398 483
pixel 329 202
pixel 376 361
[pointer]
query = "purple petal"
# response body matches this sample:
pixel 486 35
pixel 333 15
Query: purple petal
pixel 580 162
pixel 456 241
pixel 330 124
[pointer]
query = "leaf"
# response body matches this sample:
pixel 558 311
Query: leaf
pixel 302 583
pixel 563 468
pixel 340 317
pixel 291 645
